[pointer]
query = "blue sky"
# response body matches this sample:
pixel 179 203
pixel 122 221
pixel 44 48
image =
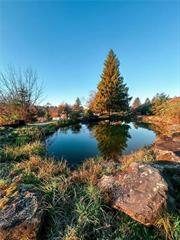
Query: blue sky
pixel 66 42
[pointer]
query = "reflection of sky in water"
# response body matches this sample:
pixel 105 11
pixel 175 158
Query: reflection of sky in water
pixel 76 144
pixel 139 138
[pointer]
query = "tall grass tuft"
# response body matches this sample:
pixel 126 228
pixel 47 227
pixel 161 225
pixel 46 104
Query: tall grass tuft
pixel 21 153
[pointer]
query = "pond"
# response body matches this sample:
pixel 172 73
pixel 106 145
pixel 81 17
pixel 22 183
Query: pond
pixel 79 142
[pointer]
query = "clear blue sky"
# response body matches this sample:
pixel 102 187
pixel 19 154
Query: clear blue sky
pixel 67 43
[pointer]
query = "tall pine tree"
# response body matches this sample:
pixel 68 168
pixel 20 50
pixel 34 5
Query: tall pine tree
pixel 112 94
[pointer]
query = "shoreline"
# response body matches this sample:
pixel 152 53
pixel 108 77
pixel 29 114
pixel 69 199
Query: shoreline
pixel 167 142
pixel 50 189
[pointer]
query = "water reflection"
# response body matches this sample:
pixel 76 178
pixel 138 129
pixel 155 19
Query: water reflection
pixel 111 138
pixel 63 130
pixel 78 142
pixel 75 128
pixel 151 126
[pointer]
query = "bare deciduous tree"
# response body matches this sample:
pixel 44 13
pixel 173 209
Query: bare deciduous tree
pixel 19 93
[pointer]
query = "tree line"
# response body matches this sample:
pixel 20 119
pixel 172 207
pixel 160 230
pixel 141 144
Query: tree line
pixel 149 107
pixel 21 95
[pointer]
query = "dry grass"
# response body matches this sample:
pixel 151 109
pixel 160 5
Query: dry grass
pixel 75 206
pixel 21 152
pixel 142 155
pixel 169 225
pixel 43 168
pixel 71 234
pixel 92 169
pixel 88 172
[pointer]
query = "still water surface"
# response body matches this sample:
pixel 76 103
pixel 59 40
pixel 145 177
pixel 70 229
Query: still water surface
pixel 78 142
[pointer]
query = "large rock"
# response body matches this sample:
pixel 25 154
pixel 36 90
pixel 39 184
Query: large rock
pixel 167 148
pixel 21 217
pixel 140 191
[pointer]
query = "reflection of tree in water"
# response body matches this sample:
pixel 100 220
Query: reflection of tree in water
pixel 142 125
pixel 63 130
pixel 148 126
pixel 112 139
pixel 90 126
pixel 75 128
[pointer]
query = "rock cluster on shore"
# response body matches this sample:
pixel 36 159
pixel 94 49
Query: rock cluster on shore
pixel 167 148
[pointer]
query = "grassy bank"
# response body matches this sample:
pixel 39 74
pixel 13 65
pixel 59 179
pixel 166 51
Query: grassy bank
pixel 29 133
pixel 74 206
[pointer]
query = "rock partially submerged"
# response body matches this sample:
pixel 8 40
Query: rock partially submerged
pixel 21 218
pixel 140 191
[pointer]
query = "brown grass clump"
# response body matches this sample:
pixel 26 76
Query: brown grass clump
pixel 92 169
pixel 169 225
pixel 23 152
pixel 143 155
pixel 43 168
pixel 88 172
pixel 71 234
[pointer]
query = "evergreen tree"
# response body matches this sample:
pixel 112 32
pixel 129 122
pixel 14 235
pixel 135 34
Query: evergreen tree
pixel 145 108
pixel 112 95
pixel 147 101
pixel 78 101
pixel 77 106
pixel 136 103
pixel 157 100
